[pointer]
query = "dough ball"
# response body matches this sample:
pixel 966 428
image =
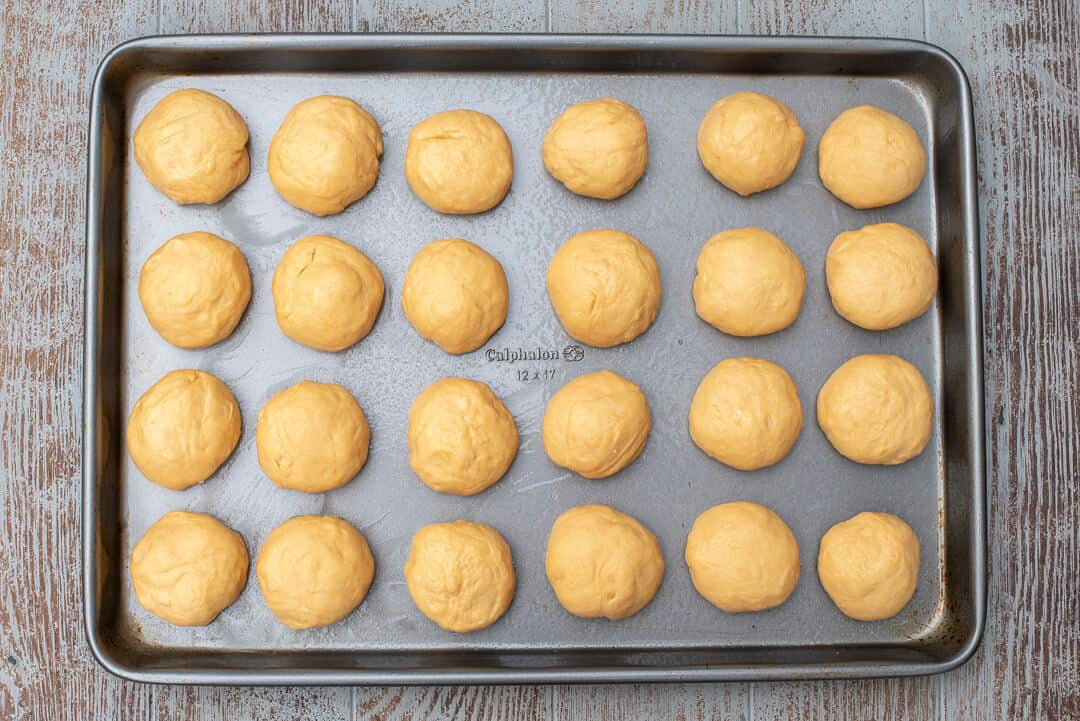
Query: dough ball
pixel 183 428
pixel 748 283
pixel 460 575
pixel 325 156
pixel 746 413
pixel 192 146
pixel 459 162
pixel 455 295
pixel 462 439
pixel 312 437
pixel 314 570
pixel 876 409
pixel 742 557
pixel 869 158
pixel 194 289
pixel 605 287
pixel 598 148
pixel 596 425
pixel 327 294
pixel 881 276
pixel 750 142
pixel 601 562
pixel 869 565
pixel 188 568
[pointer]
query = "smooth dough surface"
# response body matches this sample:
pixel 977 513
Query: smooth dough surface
pixel 312 437
pixel 460 575
pixel 327 294
pixel 748 283
pixel 596 425
pixel 325 156
pixel 183 428
pixel 742 557
pixel 605 287
pixel 746 413
pixel 603 563
pixel 314 570
pixel 192 146
pixel 876 409
pixel 869 158
pixel 597 148
pixel 462 439
pixel 459 162
pixel 881 276
pixel 455 295
pixel 189 567
pixel 194 289
pixel 750 142
pixel 869 565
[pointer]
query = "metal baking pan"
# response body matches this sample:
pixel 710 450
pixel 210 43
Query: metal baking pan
pixel 524 82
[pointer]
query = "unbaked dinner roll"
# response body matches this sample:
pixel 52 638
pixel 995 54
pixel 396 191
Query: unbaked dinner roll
pixel 597 148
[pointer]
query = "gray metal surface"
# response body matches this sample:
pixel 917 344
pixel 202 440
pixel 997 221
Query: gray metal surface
pixel 524 82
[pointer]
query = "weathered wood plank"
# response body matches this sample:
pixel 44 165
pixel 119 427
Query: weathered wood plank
pixel 438 703
pixel 253 16
pixel 453 15
pixel 187 703
pixel 644 702
pixel 642 16
pixel 898 18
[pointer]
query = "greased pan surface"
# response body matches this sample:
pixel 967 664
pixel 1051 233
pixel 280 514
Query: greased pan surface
pixel 524 82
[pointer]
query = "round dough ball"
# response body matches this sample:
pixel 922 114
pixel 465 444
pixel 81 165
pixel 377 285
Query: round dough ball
pixel 327 294
pixel 325 156
pixel 605 287
pixel 601 562
pixel 881 276
pixel 188 568
pixel 748 283
pixel 455 295
pixel 742 557
pixel 597 148
pixel 462 439
pixel 183 428
pixel 192 146
pixel 460 575
pixel 876 409
pixel 194 289
pixel 746 413
pixel 596 425
pixel 459 162
pixel 869 158
pixel 314 570
pixel 312 437
pixel 869 565
pixel 750 142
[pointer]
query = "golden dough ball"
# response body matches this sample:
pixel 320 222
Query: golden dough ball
pixel 192 146
pixel 327 294
pixel 455 295
pixel 746 413
pixel 869 565
pixel 460 575
pixel 312 437
pixel 459 162
pixel 596 425
pixel 325 156
pixel 189 567
pixel 597 148
pixel 603 563
pixel 748 283
pixel 462 439
pixel 194 289
pixel 750 142
pixel 605 287
pixel 742 557
pixel 869 158
pixel 876 409
pixel 314 570
pixel 881 276
pixel 183 428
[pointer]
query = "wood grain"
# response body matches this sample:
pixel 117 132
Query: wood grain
pixel 440 703
pixel 453 16
pixel 643 702
pixel 642 16
pixel 254 16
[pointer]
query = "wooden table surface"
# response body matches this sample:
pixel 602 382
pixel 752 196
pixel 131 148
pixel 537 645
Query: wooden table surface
pixel 1024 65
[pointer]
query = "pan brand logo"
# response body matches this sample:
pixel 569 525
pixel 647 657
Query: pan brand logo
pixel 571 354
